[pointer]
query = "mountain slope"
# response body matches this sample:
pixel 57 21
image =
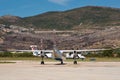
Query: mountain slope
pixel 87 17
pixel 84 17
pixel 100 29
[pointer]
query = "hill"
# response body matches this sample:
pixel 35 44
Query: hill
pixel 84 17
pixel 93 26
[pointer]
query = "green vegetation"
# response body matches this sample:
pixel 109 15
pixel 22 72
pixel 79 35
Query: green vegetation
pixel 89 16
pixel 107 55
pixel 9 54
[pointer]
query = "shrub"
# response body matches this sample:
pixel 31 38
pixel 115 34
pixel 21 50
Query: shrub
pixel 9 54
pixel 5 54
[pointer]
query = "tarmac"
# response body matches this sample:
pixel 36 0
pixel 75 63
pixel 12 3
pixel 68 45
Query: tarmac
pixel 33 70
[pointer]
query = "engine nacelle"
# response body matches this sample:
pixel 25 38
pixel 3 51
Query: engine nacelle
pixel 36 53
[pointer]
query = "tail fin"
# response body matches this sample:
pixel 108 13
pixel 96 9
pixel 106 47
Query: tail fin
pixel 33 47
pixel 35 50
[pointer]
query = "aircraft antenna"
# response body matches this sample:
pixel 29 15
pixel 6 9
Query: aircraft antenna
pixel 41 41
pixel 54 40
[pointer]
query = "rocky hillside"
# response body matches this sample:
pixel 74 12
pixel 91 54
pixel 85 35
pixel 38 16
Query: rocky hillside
pixel 108 38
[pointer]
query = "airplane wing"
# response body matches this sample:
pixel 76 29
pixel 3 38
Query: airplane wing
pixel 68 53
pixel 83 50
pixel 63 51
pixel 46 51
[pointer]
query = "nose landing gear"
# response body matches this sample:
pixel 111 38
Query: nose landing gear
pixel 75 62
pixel 42 61
pixel 75 57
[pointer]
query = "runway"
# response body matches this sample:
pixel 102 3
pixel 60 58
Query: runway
pixel 32 70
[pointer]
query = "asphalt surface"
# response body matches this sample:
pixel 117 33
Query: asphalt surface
pixel 32 70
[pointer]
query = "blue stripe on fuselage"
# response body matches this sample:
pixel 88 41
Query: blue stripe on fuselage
pixel 59 59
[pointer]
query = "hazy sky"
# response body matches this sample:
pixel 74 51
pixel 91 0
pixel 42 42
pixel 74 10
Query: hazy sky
pixel 24 8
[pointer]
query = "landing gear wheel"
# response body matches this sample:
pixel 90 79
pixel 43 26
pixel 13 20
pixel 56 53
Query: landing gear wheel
pixel 75 62
pixel 42 62
pixel 61 62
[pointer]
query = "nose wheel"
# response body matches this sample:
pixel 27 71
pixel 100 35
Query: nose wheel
pixel 62 62
pixel 42 62
pixel 75 57
pixel 75 62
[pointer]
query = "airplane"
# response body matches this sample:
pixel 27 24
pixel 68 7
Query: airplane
pixel 59 54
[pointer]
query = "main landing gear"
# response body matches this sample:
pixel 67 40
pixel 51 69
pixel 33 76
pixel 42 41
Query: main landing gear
pixel 75 57
pixel 61 61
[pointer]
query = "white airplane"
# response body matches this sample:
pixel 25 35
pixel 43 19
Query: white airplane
pixel 59 54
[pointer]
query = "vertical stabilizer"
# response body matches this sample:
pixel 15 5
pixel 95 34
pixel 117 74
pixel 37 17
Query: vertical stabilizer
pixel 35 50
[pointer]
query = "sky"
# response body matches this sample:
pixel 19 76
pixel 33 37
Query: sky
pixel 26 8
